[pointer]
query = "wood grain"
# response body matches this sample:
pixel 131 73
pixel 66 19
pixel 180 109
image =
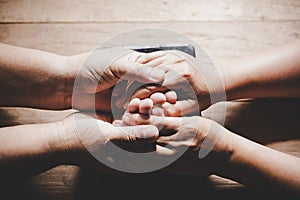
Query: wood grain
pixel 47 11
pixel 221 39
pixel 226 29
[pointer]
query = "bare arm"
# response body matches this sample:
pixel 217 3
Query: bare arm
pixel 30 149
pixel 261 167
pixel 27 150
pixel 231 155
pixel 32 78
pixel 274 73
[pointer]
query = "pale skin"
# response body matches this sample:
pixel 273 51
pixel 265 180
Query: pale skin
pixel 274 73
pixel 232 156
pixel 40 79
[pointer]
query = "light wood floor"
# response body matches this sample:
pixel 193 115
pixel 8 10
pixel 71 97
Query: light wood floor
pixel 226 29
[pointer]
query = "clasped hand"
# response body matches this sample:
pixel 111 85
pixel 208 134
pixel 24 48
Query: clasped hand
pixel 153 111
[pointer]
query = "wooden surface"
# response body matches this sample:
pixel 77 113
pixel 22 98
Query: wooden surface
pixel 226 29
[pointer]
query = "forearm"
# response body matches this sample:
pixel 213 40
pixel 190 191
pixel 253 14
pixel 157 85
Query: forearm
pixel 258 166
pixel 274 73
pixel 33 78
pixel 30 149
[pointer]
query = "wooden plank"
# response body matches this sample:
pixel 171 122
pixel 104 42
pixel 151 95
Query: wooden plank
pixel 37 192
pixel 63 181
pixel 290 146
pixel 10 116
pixel 220 39
pixel 260 120
pixel 63 175
pixel 147 11
pixel 243 116
pixel 223 40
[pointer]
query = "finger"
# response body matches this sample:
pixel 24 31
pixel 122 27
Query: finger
pixel 133 106
pixel 163 151
pixel 147 57
pixel 135 119
pixel 143 73
pixel 119 123
pixel 171 97
pixel 156 62
pixel 167 141
pixel 147 90
pixel 173 80
pixel 167 59
pixel 181 108
pixel 186 134
pixel 168 123
pixel 158 98
pixel 177 74
pixel 139 135
pixel 157 110
pixel 145 106
pixel 173 141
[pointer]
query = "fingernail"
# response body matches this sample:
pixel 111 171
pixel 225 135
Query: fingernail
pixel 117 122
pixel 157 74
pixel 149 132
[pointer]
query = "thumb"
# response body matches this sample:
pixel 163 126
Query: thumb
pixel 138 135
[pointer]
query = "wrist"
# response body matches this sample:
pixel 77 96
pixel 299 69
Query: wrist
pixel 222 141
pixel 59 83
pixel 235 81
pixel 55 144
pixel 231 168
pixel 70 140
pixel 71 69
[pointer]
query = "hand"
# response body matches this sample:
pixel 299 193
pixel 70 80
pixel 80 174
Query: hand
pixel 38 79
pixel 185 76
pixel 98 72
pixel 156 104
pixel 188 133
pixel 80 133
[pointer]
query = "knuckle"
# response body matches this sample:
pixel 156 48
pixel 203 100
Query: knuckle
pixel 172 111
pixel 194 144
pixel 142 58
pixel 138 69
pixel 131 137
pixel 187 70
pixel 141 120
